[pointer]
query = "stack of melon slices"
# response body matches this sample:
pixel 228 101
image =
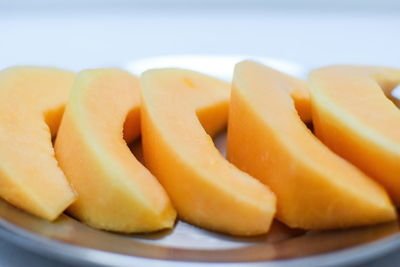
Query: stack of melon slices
pixel 347 174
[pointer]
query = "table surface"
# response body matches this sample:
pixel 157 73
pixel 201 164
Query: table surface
pixel 77 38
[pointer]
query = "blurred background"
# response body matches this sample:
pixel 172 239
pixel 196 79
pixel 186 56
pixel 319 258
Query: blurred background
pixel 92 33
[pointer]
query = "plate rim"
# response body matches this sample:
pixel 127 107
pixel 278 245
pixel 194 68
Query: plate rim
pixel 69 253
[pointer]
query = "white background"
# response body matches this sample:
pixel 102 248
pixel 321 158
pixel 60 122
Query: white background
pixel 103 35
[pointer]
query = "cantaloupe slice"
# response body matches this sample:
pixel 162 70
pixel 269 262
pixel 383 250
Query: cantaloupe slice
pixel 31 105
pixel 115 191
pixel 356 120
pixel 298 90
pixel 206 189
pixel 315 188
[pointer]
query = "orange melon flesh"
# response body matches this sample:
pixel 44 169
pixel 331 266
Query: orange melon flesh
pixel 206 189
pixel 355 119
pixel 298 90
pixel 315 188
pixel 31 104
pixel 116 192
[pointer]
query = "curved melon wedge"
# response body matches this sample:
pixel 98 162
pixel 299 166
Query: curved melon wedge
pixel 299 92
pixel 205 188
pixel 31 105
pixel 115 191
pixel 356 120
pixel 315 188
